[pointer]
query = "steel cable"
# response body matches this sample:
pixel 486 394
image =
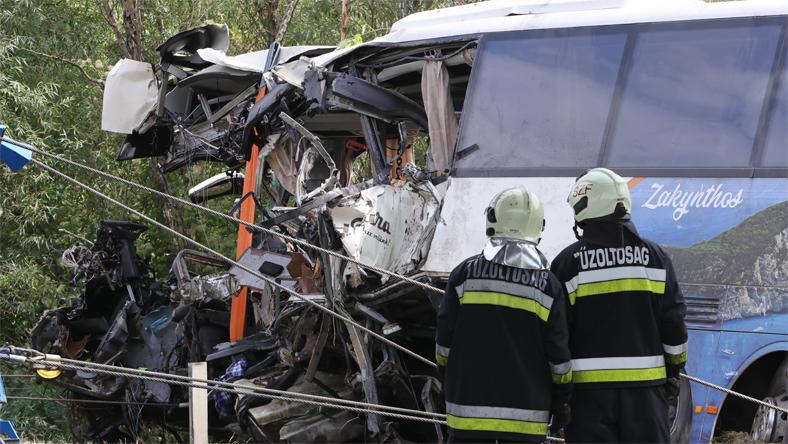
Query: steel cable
pixel 731 392
pixel 264 390
pixel 238 390
pixel 224 216
pixel 235 263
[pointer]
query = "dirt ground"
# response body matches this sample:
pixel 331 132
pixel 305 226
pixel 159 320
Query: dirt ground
pixel 734 438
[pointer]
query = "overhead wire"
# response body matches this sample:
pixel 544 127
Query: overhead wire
pixel 232 262
pixel 231 218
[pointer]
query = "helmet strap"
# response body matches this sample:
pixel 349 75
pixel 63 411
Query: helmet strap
pixel 578 236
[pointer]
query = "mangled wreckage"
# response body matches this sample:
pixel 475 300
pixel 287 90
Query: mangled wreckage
pixel 319 145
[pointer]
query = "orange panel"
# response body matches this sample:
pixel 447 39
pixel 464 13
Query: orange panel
pixel 238 308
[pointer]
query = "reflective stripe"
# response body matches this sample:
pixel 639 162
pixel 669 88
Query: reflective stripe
pixel 619 369
pixel 482 411
pixel 625 375
pixel 613 280
pixel 615 273
pixel 561 373
pixel 562 379
pixel 617 287
pixel 676 359
pixel 560 369
pixel 497 419
pixel 675 349
pixel 505 300
pixel 490 285
pixel 571 285
pixel 676 354
pixel 497 425
pixel 442 354
pixel 618 363
pixel 459 290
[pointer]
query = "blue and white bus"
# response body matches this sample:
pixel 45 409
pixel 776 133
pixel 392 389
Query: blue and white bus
pixel 687 99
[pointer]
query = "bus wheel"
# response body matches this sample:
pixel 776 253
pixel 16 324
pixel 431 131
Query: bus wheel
pixel 680 414
pixel 770 425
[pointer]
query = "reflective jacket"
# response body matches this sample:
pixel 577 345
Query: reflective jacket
pixel 625 309
pixel 501 344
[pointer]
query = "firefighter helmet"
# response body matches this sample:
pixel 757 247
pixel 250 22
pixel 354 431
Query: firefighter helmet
pixel 515 213
pixel 599 193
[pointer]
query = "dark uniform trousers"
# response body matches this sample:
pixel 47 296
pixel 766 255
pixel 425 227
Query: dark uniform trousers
pixel 632 414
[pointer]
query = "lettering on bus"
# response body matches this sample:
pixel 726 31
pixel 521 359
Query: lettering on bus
pixel 683 201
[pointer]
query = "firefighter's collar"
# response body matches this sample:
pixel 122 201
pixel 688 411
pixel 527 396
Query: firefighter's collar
pixel 515 253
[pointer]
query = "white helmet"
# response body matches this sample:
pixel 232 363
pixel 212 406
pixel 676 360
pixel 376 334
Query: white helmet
pixel 598 193
pixel 515 213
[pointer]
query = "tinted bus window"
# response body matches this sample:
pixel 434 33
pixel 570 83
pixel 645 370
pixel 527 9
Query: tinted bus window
pixel 679 96
pixel 694 95
pixel 776 149
pixel 540 100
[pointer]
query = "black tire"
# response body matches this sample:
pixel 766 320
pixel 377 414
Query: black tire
pixel 777 394
pixel 680 414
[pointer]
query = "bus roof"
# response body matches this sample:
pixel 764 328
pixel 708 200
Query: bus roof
pixel 518 15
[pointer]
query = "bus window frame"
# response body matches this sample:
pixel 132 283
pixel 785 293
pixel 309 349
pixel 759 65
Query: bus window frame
pixel 753 170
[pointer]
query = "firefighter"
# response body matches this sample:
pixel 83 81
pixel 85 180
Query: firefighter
pixel 625 315
pixel 502 347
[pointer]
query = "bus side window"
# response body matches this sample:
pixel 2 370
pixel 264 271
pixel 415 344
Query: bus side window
pixel 776 148
pixel 540 99
pixel 694 95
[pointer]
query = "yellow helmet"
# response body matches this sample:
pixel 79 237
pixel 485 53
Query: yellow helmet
pixel 515 213
pixel 598 193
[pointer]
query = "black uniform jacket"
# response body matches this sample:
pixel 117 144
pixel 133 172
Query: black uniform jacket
pixel 502 343
pixel 625 309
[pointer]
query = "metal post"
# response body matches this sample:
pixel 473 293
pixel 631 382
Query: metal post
pixel 198 405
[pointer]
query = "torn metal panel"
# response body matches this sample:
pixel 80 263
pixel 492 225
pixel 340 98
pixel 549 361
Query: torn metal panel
pixel 334 427
pixel 366 373
pixel 133 84
pixel 278 410
pixel 181 49
pixel 384 225
pixel 255 61
pixel 359 95
pixel 267 263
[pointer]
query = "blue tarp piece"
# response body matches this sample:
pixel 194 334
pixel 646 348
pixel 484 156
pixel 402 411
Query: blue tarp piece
pixel 3 399
pixel 13 156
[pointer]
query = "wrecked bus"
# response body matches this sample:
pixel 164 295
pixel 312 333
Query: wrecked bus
pixel 389 151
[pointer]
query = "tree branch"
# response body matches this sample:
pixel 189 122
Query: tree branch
pixel 109 16
pixel 97 82
pixel 285 20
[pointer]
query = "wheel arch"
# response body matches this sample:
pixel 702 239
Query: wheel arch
pixel 754 377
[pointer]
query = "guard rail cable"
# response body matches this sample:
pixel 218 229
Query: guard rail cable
pixel 731 392
pixel 38 359
pixel 223 215
pixel 229 261
pixel 51 361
